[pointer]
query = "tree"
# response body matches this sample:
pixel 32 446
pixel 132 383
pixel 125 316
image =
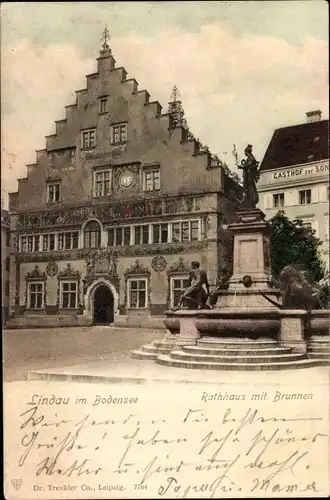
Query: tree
pixel 293 243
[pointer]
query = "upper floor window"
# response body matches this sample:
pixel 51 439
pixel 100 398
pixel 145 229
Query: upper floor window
pixel 53 192
pixel 305 196
pixel 103 105
pixel 141 235
pixel 33 242
pixel 68 240
pixel 88 138
pixel 102 183
pixel 160 233
pixel 152 180
pixel 92 235
pixel 119 236
pixel 119 133
pixel 48 242
pixel 278 200
pixel 185 231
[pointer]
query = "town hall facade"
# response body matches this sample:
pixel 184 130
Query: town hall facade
pixel 122 199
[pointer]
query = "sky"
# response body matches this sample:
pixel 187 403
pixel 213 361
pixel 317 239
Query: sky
pixel 243 69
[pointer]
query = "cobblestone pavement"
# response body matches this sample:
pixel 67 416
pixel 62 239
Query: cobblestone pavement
pixel 31 349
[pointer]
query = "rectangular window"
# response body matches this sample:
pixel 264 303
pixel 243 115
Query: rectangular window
pixel 119 236
pixel 35 294
pixel 7 263
pixel 69 294
pixel 278 200
pixel 185 231
pixel 103 105
pixel 152 180
pixel 137 293
pixel 33 242
pixel 119 133
pixel 160 233
pixel 68 240
pixel 88 138
pixel 53 192
pixel 111 237
pixel 23 243
pixel 194 236
pixel 178 285
pixel 305 197
pixel 48 242
pixel 141 235
pixel 102 183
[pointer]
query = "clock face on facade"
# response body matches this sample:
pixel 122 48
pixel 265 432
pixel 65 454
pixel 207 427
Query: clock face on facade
pixel 126 179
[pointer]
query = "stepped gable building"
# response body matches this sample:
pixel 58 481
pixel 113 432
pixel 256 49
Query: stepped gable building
pixel 118 204
pixel 294 175
pixel 5 264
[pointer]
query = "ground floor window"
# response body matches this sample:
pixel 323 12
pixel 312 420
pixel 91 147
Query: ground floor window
pixel 137 293
pixel 35 295
pixel 178 284
pixel 69 292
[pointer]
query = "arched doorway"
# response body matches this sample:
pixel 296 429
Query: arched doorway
pixel 103 310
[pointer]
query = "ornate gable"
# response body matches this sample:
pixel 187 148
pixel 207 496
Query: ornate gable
pixel 69 272
pixel 36 274
pixel 180 266
pixel 137 269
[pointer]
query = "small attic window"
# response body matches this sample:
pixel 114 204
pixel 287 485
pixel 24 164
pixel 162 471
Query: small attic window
pixel 316 139
pixel 310 157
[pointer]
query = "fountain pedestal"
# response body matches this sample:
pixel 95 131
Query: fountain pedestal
pixel 251 258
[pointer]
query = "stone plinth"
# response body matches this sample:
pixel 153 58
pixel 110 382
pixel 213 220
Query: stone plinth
pixel 188 334
pixel 292 332
pixel 251 250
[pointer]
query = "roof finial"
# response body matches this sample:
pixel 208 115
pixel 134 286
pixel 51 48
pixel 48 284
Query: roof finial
pixel 104 39
pixel 175 94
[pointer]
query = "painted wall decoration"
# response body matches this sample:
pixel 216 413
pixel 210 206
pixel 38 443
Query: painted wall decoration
pixel 159 263
pixel 108 212
pixel 126 251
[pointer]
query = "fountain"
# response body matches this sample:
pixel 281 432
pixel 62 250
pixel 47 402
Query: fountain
pixel 244 331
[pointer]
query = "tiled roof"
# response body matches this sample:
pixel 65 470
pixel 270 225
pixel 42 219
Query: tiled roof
pixel 296 145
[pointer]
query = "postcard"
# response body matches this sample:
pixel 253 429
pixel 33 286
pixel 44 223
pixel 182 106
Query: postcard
pixel 165 249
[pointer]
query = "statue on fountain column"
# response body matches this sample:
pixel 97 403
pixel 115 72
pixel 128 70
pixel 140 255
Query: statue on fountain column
pixel 250 168
pixel 196 295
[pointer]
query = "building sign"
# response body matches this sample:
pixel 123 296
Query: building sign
pixel 298 172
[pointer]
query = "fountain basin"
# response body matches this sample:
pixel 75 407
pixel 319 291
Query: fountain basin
pixel 232 322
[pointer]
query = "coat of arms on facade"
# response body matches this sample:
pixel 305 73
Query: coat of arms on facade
pixel 52 269
pixel 159 263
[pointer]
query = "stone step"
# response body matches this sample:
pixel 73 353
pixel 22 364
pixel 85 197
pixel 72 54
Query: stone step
pixel 319 355
pixel 163 343
pixel 138 354
pixel 152 349
pixel 320 348
pixel 216 342
pixel 230 351
pixel 166 360
pixel 220 358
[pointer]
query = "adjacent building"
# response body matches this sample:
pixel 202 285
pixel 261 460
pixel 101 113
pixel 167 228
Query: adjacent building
pixel 121 200
pixel 294 175
pixel 5 239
